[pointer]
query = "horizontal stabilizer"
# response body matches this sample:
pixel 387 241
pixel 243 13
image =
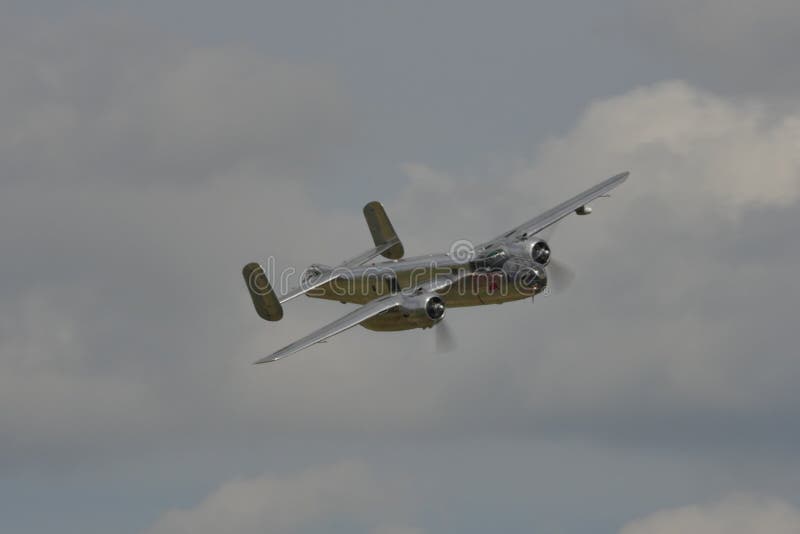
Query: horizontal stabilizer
pixel 328 275
pixel 264 298
pixel 382 230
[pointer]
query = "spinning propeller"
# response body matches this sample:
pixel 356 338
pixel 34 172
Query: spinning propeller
pixel 559 275
pixel 445 341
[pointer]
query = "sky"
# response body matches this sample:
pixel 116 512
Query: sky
pixel 149 150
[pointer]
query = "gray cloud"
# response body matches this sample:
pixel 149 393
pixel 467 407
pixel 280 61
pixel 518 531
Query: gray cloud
pixel 142 297
pixel 98 100
pixel 725 26
pixel 102 228
pixel 734 46
pixel 140 173
pixel 737 514
pixel 655 357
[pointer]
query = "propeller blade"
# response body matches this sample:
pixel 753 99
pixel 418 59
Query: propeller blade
pixel 445 342
pixel 559 276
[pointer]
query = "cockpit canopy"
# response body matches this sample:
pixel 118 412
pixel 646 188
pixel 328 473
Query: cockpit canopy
pixel 493 259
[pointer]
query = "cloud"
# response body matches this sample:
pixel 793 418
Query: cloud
pixel 393 529
pixel 736 46
pixel 708 154
pixel 102 99
pixel 720 154
pixel 118 146
pixel 125 322
pixel 140 172
pixel 734 515
pixel 649 340
pixel 704 168
pixel 720 24
pixel 342 493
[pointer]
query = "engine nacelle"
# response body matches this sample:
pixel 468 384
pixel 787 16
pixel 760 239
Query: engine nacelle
pixel 536 250
pixel 418 311
pixel 423 310
pixel 527 277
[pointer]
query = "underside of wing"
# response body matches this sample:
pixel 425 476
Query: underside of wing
pixel 350 320
pixel 552 216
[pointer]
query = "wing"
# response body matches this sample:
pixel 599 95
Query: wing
pixel 360 315
pixel 552 216
pixel 350 320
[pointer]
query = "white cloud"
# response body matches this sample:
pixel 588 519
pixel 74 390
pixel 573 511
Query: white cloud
pixel 709 152
pixel 700 164
pixel 647 300
pixel 343 492
pixel 734 515
pixel 689 149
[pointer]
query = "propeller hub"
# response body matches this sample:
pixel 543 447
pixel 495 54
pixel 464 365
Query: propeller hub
pixel 435 308
pixel 525 275
pixel 534 278
pixel 540 252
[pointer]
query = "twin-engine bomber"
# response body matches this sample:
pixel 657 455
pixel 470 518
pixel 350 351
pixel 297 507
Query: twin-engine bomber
pixel 403 294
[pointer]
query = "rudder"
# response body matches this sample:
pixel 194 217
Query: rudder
pixel 382 230
pixel 264 298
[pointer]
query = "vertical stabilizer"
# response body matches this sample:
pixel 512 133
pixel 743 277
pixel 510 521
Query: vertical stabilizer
pixel 264 298
pixel 382 230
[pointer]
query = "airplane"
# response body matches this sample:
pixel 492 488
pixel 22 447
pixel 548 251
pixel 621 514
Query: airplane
pixel 404 294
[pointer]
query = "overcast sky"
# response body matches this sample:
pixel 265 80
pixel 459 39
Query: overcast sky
pixel 148 151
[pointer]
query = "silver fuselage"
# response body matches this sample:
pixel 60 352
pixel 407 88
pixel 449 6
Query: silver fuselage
pixel 365 283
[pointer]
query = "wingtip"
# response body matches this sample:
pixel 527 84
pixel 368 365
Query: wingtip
pixel 620 178
pixel 268 359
